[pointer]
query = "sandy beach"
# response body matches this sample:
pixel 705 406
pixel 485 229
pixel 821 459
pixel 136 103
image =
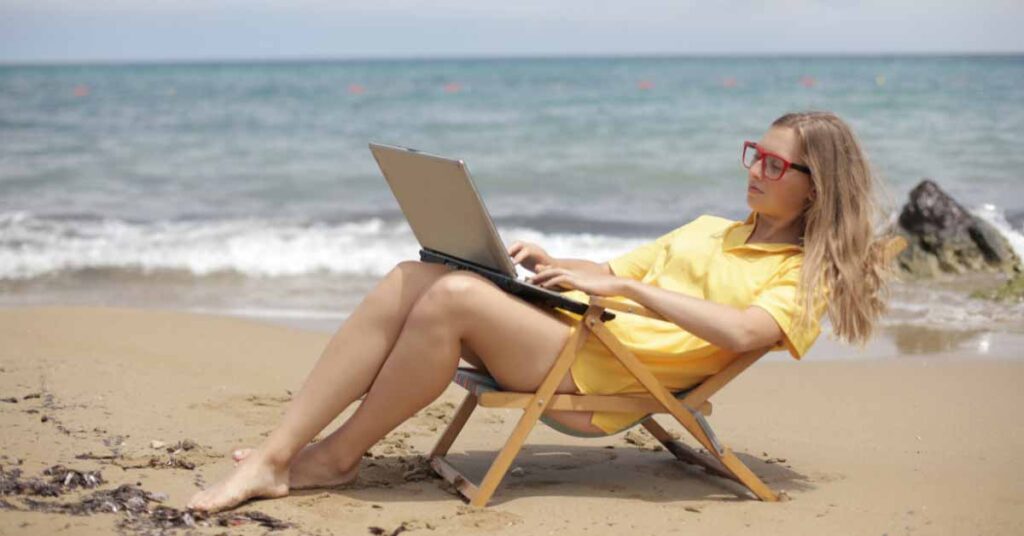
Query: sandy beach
pixel 157 399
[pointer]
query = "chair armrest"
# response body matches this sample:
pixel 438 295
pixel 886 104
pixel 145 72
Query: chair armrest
pixel 606 303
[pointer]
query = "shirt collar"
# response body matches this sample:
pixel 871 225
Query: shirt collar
pixel 737 234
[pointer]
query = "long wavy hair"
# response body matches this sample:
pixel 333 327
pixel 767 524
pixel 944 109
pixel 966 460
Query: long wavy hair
pixel 845 267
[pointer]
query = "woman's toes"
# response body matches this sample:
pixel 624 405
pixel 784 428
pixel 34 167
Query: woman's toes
pixel 249 480
pixel 198 501
pixel 241 454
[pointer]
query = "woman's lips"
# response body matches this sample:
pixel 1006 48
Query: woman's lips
pixel 754 189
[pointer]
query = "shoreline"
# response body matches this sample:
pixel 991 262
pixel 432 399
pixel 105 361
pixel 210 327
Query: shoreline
pixel 891 342
pixel 898 341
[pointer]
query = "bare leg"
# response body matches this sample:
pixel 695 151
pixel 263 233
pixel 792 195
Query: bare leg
pixel 344 372
pixel 517 341
pixel 458 308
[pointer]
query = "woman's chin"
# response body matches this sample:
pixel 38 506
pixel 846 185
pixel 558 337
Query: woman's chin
pixel 753 200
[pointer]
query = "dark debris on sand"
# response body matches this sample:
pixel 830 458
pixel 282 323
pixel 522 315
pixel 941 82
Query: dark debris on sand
pixel 160 462
pixel 381 531
pixel 60 479
pixel 393 471
pixel 177 456
pixel 97 457
pixel 141 510
pixel 184 444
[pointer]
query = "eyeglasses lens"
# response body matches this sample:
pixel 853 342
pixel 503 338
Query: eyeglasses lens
pixel 750 156
pixel 773 167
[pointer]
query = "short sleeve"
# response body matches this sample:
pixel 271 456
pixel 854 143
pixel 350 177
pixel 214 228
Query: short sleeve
pixel 636 263
pixel 779 299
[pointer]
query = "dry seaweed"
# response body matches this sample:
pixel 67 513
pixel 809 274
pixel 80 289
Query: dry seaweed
pixel 11 483
pixel 71 478
pixel 61 479
pixel 99 457
pixel 140 516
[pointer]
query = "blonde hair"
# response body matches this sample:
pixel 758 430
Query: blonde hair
pixel 845 267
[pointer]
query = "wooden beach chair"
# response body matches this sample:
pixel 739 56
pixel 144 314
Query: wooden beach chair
pixel 689 408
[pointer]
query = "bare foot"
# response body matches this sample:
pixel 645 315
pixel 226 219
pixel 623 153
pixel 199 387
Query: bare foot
pixel 311 468
pixel 253 478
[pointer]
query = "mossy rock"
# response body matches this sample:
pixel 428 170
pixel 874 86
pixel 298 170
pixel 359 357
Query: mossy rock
pixel 944 238
pixel 1011 291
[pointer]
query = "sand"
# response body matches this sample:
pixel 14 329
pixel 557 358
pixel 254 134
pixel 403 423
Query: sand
pixel 916 445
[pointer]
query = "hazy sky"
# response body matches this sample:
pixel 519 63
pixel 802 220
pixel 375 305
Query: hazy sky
pixel 69 30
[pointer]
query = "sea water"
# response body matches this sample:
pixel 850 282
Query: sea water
pixel 247 187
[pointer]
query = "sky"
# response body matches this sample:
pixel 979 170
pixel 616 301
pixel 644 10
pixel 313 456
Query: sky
pixel 168 30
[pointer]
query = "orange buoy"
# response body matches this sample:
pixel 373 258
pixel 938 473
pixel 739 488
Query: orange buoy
pixel 452 87
pixel 808 81
pixel 729 82
pixel 81 90
pixel 356 89
pixel 644 85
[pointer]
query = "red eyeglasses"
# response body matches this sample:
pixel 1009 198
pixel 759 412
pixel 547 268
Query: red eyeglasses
pixel 773 166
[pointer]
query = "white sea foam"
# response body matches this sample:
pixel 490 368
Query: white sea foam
pixel 917 304
pixel 32 246
pixel 993 215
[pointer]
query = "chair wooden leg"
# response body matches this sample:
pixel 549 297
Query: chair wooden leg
pixel 508 453
pixel 724 464
pixel 452 430
pixel 692 421
pixel 684 453
pixel 531 414
pixel 480 495
pixel 746 476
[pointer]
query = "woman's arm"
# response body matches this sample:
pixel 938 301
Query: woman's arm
pixel 734 329
pixel 737 330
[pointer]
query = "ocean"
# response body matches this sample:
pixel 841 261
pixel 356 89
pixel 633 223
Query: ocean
pixel 247 188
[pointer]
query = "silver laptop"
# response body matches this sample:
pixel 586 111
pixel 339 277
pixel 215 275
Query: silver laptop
pixel 448 218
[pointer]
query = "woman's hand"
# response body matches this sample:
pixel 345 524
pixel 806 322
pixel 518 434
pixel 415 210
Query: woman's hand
pixel 593 284
pixel 530 255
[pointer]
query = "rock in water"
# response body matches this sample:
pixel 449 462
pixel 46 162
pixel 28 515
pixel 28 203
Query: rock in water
pixel 943 237
pixel 1011 291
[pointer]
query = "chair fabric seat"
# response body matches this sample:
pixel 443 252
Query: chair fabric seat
pixel 477 382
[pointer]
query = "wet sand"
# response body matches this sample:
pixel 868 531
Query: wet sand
pixel 915 444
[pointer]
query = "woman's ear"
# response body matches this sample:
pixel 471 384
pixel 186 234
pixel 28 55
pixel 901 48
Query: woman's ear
pixel 811 196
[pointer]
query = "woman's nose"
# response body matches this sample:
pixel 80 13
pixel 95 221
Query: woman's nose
pixel 755 170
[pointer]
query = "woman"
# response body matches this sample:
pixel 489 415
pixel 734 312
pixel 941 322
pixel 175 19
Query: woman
pixel 727 287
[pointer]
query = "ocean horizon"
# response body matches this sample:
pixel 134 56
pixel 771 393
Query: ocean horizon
pixel 257 60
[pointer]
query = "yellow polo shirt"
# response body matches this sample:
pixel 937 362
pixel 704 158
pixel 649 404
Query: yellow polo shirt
pixel 707 258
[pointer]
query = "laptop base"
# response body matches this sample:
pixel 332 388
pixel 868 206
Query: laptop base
pixel 531 293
